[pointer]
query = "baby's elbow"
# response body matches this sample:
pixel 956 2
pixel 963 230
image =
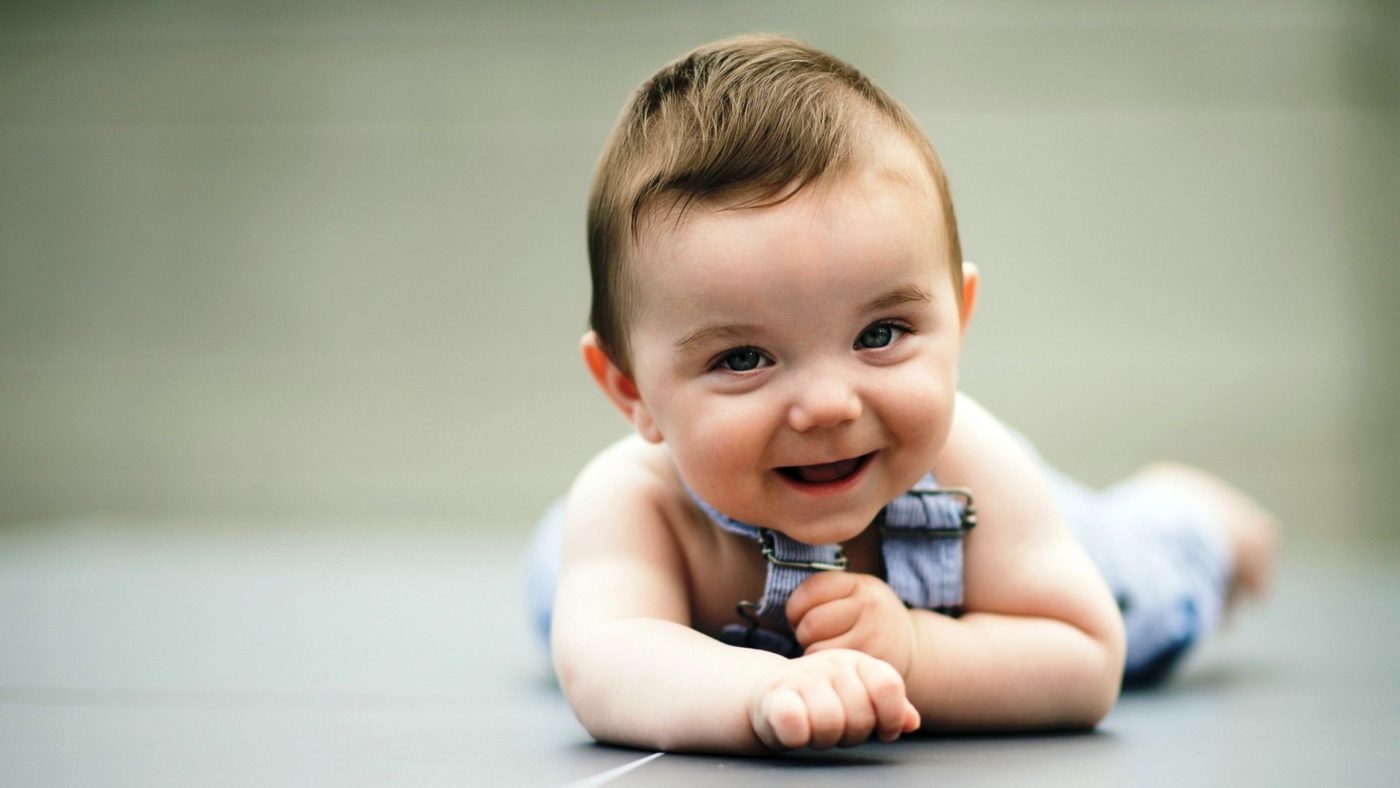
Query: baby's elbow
pixel 569 656
pixel 1100 703
pixel 587 702
pixel 1094 675
pixel 1107 678
pixel 580 669
pixel 1095 695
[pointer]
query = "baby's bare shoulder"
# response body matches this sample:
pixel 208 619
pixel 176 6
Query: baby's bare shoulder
pixel 1016 511
pixel 629 490
pixel 977 441
pixel 621 557
pixel 630 470
pixel 1021 559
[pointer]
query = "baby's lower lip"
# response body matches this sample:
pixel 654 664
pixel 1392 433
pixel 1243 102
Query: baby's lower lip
pixel 825 477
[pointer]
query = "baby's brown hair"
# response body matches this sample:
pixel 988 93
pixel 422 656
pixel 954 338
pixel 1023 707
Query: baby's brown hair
pixel 752 118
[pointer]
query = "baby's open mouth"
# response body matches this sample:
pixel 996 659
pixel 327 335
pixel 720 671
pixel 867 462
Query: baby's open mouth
pixel 826 472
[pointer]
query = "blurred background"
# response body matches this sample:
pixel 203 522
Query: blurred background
pixel 325 260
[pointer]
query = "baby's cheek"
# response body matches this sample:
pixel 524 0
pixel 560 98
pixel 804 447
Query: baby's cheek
pixel 738 425
pixel 726 440
pixel 922 414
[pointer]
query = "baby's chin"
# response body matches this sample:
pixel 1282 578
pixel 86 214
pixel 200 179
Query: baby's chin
pixel 829 530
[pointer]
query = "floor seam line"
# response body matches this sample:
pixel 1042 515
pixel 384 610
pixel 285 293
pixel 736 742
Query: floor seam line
pixel 612 774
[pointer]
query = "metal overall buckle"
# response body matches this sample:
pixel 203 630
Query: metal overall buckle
pixel 967 521
pixel 766 540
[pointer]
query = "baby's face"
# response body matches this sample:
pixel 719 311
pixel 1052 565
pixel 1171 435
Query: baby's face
pixel 800 360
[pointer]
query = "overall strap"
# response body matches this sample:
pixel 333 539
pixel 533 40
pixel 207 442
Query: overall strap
pixel 921 540
pixel 789 563
pixel 921 536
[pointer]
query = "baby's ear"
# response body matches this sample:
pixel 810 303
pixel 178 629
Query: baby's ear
pixel 621 391
pixel 972 280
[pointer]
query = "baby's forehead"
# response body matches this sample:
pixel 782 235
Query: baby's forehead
pixel 849 231
pixel 707 228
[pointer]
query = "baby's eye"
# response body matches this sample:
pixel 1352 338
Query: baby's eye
pixel 742 359
pixel 879 335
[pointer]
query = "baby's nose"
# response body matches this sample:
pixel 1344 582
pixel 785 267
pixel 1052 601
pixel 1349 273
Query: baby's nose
pixel 823 402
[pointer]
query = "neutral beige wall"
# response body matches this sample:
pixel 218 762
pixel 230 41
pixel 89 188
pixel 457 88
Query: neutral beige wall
pixel 318 260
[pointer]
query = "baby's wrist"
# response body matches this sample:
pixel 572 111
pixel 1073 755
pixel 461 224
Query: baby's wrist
pixel 911 650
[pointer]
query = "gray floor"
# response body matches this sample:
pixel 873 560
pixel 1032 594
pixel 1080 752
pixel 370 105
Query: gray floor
pixel 291 653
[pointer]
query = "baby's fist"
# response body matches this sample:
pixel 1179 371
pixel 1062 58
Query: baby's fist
pixel 835 697
pixel 855 611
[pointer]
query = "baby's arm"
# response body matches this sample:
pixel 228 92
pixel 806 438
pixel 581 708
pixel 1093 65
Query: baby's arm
pixel 1042 645
pixel 634 671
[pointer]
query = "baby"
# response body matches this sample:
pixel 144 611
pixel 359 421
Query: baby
pixel 813 537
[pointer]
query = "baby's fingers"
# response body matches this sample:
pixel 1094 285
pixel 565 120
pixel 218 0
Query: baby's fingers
pixel 828 621
pixel 780 721
pixel 858 708
pixel 825 713
pixel 912 721
pixel 894 714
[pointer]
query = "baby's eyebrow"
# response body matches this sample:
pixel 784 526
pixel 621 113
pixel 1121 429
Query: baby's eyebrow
pixel 910 293
pixel 904 294
pixel 710 333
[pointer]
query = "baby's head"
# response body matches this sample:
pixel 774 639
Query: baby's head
pixel 778 290
pixel 742 122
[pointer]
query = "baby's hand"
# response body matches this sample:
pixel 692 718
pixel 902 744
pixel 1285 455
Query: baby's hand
pixel 836 697
pixel 855 611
